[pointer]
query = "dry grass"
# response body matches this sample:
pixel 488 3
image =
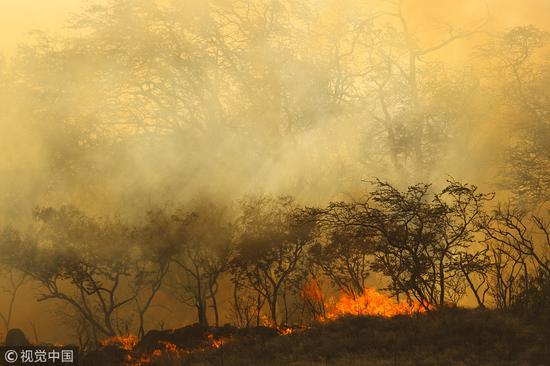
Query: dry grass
pixel 454 337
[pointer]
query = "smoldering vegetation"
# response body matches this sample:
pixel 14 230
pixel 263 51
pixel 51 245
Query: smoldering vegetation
pixel 278 260
pixel 263 163
pixel 452 337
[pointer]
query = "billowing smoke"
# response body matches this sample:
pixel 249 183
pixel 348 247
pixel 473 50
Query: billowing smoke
pixel 134 105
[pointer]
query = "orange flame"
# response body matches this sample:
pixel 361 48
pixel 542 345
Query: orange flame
pixel 373 303
pixel 126 343
pixel 286 330
pixel 312 291
pixel 215 342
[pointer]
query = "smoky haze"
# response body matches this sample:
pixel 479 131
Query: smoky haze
pixel 119 107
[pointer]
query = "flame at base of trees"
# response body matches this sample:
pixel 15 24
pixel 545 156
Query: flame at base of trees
pixel 127 342
pixel 168 350
pixel 370 303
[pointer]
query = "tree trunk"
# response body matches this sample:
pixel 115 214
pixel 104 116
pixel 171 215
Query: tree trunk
pixel 285 306
pixel 201 313
pixel 215 307
pixel 141 331
pixel 273 308
pixel 238 312
pixel 473 288
pixel 258 309
pixel 441 281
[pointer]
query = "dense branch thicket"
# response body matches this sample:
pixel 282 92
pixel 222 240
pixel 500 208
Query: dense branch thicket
pixel 435 248
pixel 167 101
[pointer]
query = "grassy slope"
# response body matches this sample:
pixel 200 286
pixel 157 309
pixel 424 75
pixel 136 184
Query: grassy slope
pixel 450 337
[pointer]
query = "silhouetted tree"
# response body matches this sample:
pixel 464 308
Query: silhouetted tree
pixel 15 280
pixel 271 245
pixel 205 246
pixel 92 265
pixel 518 62
pixel 422 242
pixel 518 244
pixel 345 258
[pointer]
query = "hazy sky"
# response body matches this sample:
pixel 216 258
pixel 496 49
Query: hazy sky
pixel 18 17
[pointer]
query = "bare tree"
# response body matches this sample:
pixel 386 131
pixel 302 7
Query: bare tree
pixel 157 253
pixel 15 280
pixel 459 207
pixel 345 259
pixel 205 246
pixel 518 245
pixel 91 265
pixel 423 242
pixel 384 70
pixel 272 243
pixel 517 60
pixel 247 304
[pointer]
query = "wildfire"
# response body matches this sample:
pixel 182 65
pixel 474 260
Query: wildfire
pixel 126 343
pixel 215 342
pixel 370 302
pixel 373 303
pixel 171 347
pixel 286 330
pixel 129 342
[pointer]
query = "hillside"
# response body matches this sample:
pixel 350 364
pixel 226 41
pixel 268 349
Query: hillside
pixel 450 337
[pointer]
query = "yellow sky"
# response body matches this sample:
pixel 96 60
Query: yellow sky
pixel 503 13
pixel 19 17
